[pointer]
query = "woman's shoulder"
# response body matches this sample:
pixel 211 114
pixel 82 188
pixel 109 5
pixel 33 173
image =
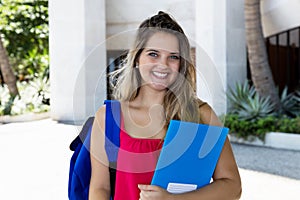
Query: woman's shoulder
pixel 201 103
pixel 100 114
pixel 203 106
pixel 204 109
pixel 207 114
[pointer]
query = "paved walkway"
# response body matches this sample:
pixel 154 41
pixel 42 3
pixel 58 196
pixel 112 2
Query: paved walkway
pixel 275 161
pixel 35 164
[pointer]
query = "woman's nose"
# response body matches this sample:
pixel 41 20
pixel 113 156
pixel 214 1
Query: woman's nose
pixel 163 61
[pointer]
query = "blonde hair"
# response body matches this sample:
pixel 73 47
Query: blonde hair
pixel 180 101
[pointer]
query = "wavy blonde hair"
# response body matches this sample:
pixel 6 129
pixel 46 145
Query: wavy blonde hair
pixel 180 101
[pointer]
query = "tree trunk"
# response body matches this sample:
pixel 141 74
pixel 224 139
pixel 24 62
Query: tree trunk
pixel 7 72
pixel 259 66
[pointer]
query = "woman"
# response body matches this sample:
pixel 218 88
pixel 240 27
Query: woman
pixel 155 85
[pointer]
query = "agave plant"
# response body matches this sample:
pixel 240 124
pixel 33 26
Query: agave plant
pixel 256 108
pixel 290 103
pixel 247 104
pixel 241 93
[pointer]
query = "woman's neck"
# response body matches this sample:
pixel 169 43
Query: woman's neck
pixel 148 97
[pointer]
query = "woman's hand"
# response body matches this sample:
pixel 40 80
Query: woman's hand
pixel 152 192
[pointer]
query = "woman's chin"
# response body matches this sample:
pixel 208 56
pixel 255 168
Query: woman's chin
pixel 159 86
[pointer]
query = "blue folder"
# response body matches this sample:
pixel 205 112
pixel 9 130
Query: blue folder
pixel 189 156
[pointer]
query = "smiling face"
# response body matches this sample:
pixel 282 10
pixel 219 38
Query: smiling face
pixel 159 61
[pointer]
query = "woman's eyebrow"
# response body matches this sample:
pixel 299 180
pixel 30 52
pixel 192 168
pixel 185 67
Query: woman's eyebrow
pixel 154 50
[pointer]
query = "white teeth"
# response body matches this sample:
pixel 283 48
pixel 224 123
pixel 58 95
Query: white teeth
pixel 160 74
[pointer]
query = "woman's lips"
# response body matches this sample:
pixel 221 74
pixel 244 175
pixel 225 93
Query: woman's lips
pixel 160 75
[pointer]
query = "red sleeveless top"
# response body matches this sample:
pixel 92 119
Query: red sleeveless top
pixel 136 163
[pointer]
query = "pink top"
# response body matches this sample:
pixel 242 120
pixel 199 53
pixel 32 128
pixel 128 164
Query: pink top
pixel 136 163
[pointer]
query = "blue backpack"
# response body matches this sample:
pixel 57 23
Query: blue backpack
pixel 80 164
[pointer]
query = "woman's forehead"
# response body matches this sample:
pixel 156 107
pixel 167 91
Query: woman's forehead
pixel 162 41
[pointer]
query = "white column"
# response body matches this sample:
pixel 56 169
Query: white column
pixel 77 58
pixel 220 49
pixel 236 52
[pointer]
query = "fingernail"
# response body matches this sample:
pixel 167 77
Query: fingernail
pixel 140 186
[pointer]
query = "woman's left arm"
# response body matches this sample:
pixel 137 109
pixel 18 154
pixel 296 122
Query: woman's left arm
pixel 226 179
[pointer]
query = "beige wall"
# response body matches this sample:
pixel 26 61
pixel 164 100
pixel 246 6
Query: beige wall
pixel 279 15
pixel 123 18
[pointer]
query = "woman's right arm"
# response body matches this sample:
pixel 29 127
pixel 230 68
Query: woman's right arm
pixel 100 181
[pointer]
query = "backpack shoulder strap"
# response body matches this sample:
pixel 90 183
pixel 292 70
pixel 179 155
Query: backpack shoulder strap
pixel 112 138
pixel 112 129
pixel 85 131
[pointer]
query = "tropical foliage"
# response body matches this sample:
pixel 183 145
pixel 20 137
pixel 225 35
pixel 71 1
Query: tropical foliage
pixel 290 103
pixel 34 98
pixel 25 34
pixel 24 27
pixel 247 104
pixel 251 114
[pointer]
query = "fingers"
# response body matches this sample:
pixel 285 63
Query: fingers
pixel 145 191
pixel 151 192
pixel 147 187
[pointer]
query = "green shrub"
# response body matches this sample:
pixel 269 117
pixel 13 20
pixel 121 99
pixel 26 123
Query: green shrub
pixel 289 125
pixel 245 128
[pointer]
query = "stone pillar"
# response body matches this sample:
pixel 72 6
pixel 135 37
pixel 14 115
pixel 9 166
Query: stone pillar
pixel 77 58
pixel 220 50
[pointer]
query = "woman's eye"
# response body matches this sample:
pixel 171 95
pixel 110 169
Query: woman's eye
pixel 152 54
pixel 174 57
